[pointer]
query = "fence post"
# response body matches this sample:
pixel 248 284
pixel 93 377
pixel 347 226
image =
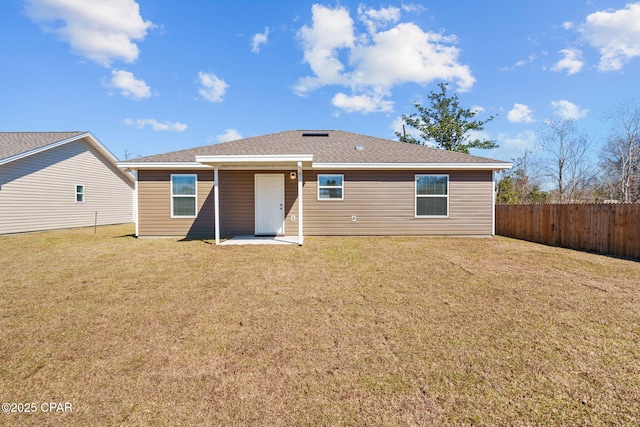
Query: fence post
pixel 604 228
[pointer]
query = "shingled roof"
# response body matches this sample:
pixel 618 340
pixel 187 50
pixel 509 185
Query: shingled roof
pixel 18 145
pixel 15 143
pixel 330 146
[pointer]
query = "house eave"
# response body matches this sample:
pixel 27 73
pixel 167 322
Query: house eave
pixel 163 165
pixel 423 166
pixel 285 161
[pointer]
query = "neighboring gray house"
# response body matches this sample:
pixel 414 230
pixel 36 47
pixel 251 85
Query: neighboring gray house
pixel 298 183
pixel 54 180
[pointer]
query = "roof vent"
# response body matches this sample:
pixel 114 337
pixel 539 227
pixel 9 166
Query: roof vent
pixel 315 133
pixel 358 148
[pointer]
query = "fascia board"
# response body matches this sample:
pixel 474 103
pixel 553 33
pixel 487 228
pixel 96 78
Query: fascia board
pixel 163 165
pixel 426 166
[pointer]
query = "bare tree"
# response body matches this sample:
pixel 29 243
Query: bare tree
pixel 522 184
pixel 565 160
pixel 621 153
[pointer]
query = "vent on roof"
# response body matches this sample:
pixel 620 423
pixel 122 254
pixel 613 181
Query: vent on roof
pixel 315 133
pixel 358 148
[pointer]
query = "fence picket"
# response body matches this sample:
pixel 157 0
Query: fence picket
pixel 606 228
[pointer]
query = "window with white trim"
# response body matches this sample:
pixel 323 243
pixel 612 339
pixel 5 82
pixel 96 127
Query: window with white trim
pixel 79 193
pixel 330 187
pixel 183 196
pixel 432 196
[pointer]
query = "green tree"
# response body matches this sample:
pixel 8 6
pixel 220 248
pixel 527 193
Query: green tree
pixel 516 188
pixel 446 124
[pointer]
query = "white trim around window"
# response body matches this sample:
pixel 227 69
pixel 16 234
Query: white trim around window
pixel 184 195
pixel 79 193
pixel 432 196
pixel 330 187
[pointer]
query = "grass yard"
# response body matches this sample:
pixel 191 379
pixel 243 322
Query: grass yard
pixel 342 331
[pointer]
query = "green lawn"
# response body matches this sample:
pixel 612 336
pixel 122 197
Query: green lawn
pixel 341 331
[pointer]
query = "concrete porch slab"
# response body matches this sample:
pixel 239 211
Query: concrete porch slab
pixel 261 240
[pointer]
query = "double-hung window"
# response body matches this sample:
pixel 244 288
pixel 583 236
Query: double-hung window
pixel 183 196
pixel 79 193
pixel 432 196
pixel 330 187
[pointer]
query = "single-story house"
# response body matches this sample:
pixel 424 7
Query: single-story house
pixel 307 183
pixel 55 180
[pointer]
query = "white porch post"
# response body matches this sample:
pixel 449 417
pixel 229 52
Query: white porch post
pixel 216 203
pixel 493 204
pixel 300 236
pixel 135 203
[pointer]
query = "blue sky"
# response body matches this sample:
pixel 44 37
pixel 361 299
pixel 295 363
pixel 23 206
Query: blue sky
pixel 152 76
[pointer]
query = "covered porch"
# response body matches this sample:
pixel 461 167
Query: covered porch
pixel 269 194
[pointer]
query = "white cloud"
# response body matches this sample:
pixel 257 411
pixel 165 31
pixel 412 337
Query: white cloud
pixel 332 29
pixel 413 7
pixel 229 135
pixel 361 103
pixel 375 19
pixel 615 33
pixel 212 87
pixel 259 39
pixel 572 61
pixel 156 125
pixel 520 113
pixel 513 145
pixel 375 61
pixel 568 110
pixel 129 86
pixel 396 125
pixel 102 31
pixel 531 58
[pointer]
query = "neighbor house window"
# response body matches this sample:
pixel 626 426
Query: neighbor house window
pixel 79 193
pixel 330 187
pixel 183 195
pixel 432 195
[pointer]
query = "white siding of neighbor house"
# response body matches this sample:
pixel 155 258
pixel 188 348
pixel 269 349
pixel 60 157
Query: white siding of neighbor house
pixel 38 192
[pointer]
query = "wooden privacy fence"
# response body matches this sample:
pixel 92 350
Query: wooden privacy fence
pixel 606 228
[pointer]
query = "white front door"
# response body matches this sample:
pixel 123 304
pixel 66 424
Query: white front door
pixel 269 200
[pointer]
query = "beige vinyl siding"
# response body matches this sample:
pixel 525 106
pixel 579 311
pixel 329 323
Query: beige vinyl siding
pixel 383 203
pixel 38 192
pixel 154 205
pixel 237 204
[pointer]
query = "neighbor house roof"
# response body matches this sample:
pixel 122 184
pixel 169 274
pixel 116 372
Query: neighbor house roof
pixel 331 148
pixel 18 145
